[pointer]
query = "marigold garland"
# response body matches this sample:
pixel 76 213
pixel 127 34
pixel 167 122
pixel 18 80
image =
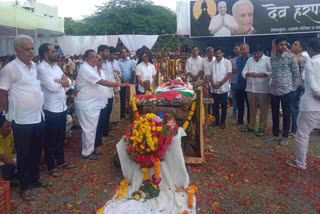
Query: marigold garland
pixel 191 190
pixel 190 115
pixel 123 189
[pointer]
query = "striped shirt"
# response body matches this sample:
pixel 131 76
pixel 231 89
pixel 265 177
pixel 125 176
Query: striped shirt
pixel 285 74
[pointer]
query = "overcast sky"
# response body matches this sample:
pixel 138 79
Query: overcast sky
pixel 79 8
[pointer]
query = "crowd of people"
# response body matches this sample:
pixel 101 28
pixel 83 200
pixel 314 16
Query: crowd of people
pixel 44 97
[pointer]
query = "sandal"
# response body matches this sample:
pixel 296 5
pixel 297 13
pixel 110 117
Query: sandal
pixel 66 166
pixel 27 195
pixel 55 173
pixel 245 129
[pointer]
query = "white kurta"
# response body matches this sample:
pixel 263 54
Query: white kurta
pixel 146 72
pixel 89 101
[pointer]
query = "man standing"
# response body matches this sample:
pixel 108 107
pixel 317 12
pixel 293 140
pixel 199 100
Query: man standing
pixel 54 84
pixel 241 86
pixel 221 72
pixel 285 73
pixel 257 71
pixel 111 68
pixel 90 100
pixel 223 24
pixel 22 99
pixel 297 49
pixel 233 79
pixel 207 65
pixel 126 68
pixel 309 115
pixel 194 66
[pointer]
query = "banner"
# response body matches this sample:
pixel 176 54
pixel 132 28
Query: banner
pixel 257 17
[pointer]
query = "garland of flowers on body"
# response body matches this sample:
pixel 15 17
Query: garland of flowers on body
pixel 147 142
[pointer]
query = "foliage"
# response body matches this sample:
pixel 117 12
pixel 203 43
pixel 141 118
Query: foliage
pixel 125 17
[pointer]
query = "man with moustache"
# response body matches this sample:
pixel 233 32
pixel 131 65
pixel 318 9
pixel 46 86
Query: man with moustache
pixel 22 100
pixel 90 100
pixel 219 79
pixel 54 84
pixel 195 68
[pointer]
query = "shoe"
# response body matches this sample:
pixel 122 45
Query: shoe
pixel 214 124
pixel 260 132
pixel 55 173
pixel 41 183
pixel 245 128
pixel 284 141
pixel 66 166
pixel 292 135
pixel 294 164
pixel 90 157
pixel 96 152
pixel 27 195
pixel 271 138
pixel 222 126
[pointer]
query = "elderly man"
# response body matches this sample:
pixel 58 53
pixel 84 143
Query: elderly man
pixel 257 71
pixel 54 85
pixel 242 11
pixel 223 24
pixel 309 115
pixel 90 100
pixel 22 99
pixel 195 69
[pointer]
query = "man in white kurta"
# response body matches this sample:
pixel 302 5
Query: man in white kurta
pixel 145 71
pixel 195 68
pixel 54 85
pixel 309 115
pixel 223 24
pixel 219 79
pixel 89 102
pixel 257 71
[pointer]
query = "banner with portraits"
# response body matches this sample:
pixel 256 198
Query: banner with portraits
pixel 253 17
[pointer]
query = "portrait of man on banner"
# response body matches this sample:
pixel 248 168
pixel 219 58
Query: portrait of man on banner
pixel 223 24
pixel 242 11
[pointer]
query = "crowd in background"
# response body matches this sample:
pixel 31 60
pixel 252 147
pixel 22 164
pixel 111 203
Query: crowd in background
pixel 44 97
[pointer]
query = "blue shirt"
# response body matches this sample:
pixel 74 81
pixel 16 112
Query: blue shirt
pixel 126 70
pixel 241 82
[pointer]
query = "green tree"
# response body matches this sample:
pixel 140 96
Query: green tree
pixel 125 17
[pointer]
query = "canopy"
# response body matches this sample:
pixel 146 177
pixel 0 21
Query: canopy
pixel 16 20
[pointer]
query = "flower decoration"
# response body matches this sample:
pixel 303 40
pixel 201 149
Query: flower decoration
pixel 190 115
pixel 191 190
pixel 123 188
pixel 149 138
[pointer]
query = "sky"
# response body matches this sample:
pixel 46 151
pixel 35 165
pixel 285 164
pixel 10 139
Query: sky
pixel 77 9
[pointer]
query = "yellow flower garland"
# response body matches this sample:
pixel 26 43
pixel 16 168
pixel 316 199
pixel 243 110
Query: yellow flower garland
pixel 191 190
pixel 190 115
pixel 123 189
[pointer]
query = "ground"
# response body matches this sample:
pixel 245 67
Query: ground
pixel 242 174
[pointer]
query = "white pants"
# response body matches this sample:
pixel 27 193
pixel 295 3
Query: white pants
pixel 306 122
pixel 88 119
